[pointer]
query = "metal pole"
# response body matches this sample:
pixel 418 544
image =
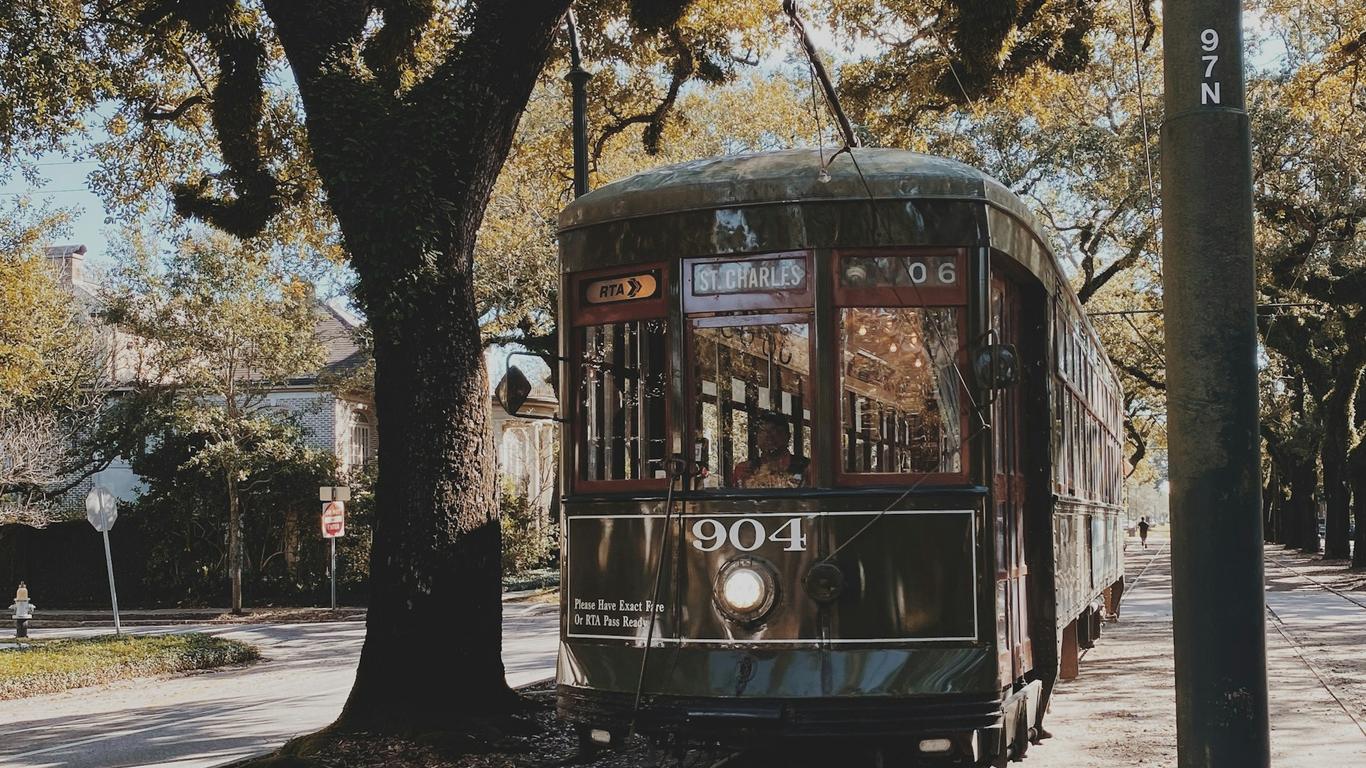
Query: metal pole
pixel 1209 303
pixel 113 595
pixel 334 572
pixel 578 78
pixel 827 86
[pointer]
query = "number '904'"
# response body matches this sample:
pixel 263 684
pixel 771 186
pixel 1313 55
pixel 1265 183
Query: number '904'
pixel 747 534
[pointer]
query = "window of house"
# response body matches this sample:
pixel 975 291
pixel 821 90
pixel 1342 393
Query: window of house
pixel 901 399
pixel 360 440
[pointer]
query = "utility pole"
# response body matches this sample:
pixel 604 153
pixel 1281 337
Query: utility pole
pixel 1209 305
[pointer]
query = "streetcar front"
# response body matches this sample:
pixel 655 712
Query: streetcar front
pixel 775 456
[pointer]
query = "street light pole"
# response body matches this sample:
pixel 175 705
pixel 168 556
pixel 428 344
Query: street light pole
pixel 1209 305
pixel 578 78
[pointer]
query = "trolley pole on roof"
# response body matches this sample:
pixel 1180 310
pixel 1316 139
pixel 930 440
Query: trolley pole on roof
pixel 1209 304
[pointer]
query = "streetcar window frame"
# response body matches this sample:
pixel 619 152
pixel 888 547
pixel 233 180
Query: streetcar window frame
pixel 584 315
pixel 740 318
pixel 756 307
pixel 900 297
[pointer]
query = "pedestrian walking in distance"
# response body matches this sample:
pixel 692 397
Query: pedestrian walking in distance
pixel 1143 531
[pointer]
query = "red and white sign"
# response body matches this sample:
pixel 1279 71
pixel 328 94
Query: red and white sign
pixel 334 519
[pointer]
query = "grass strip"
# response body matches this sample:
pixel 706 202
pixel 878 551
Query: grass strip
pixel 48 666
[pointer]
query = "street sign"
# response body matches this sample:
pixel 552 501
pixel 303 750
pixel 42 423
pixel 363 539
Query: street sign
pixel 101 508
pixel 334 519
pixel 627 288
pixel 334 493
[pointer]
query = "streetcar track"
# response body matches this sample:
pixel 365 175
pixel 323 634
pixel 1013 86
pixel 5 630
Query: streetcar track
pixel 1327 587
pixel 1128 588
pixel 1280 625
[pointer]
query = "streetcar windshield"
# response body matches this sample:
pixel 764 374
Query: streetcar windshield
pixel 751 401
pixel 899 393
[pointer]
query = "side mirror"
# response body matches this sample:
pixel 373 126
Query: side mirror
pixel 513 390
pixel 996 366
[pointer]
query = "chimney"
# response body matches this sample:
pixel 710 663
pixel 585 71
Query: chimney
pixel 67 262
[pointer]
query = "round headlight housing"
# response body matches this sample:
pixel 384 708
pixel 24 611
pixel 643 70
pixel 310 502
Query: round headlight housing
pixel 746 590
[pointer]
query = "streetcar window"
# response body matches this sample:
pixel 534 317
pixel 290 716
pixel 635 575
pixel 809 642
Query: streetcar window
pixel 622 389
pixel 751 401
pixel 899 392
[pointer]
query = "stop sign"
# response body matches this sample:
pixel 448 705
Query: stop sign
pixel 334 519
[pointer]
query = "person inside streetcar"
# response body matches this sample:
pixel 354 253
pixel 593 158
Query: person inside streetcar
pixel 775 466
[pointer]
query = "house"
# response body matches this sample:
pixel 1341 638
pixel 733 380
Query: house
pixel 527 447
pixel 336 419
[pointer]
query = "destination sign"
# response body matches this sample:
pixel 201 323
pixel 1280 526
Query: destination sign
pixel 750 276
pixel 626 288
pixel 892 271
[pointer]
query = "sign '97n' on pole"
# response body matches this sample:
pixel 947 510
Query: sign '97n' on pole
pixel 1209 88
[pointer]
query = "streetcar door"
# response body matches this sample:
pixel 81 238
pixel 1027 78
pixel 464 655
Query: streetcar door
pixel 1008 493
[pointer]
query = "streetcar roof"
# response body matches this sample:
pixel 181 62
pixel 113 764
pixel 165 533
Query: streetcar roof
pixel 789 176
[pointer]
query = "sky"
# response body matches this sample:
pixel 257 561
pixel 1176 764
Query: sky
pixel 66 187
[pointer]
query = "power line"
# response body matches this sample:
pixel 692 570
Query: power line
pixel 46 192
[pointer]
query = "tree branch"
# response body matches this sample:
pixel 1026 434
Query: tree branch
pixel 237 110
pixel 175 113
pixel 392 50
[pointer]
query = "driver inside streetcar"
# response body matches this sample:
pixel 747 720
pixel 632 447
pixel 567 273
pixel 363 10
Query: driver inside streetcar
pixel 774 466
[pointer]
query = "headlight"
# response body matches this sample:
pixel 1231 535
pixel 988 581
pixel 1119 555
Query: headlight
pixel 746 589
pixel 743 590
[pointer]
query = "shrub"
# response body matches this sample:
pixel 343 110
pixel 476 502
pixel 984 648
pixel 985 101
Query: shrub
pixel 527 534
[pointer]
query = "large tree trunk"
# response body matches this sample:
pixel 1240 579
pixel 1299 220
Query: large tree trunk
pixel 408 178
pixel 1270 509
pixel 1339 415
pixel 433 635
pixel 1303 518
pixel 1357 465
pixel 1359 516
pixel 1336 493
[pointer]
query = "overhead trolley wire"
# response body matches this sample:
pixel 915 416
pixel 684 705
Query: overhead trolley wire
pixel 1147 140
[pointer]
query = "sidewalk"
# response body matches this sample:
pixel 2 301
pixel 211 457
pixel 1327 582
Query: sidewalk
pixel 1121 711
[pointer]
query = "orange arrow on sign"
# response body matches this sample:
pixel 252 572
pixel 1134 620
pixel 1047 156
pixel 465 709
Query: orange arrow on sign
pixel 626 288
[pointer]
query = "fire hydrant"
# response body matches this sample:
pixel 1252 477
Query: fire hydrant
pixel 23 611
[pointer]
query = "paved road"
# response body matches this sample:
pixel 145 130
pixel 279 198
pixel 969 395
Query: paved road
pixel 212 718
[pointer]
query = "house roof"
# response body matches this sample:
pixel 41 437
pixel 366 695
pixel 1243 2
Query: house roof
pixel 336 329
pixel 334 325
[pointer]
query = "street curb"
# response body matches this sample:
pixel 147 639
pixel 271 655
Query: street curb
pixel 77 619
